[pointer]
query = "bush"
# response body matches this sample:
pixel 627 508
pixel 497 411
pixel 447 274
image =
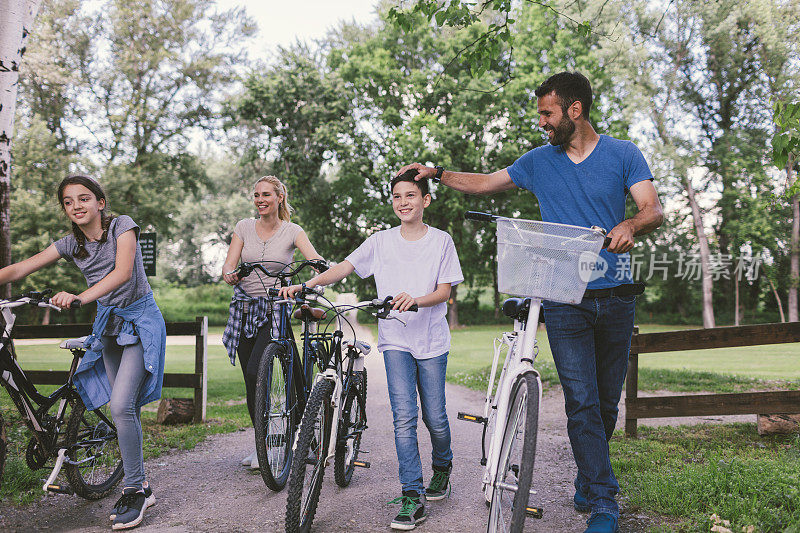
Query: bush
pixel 179 304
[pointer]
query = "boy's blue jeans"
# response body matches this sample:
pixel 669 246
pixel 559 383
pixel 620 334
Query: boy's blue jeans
pixel 404 376
pixel 591 342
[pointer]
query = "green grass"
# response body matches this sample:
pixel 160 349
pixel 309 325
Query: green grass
pixel 719 370
pixel 688 473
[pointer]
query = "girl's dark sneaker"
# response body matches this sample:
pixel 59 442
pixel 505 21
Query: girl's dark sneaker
pixel 149 501
pixel 440 484
pixel 130 509
pixel 412 511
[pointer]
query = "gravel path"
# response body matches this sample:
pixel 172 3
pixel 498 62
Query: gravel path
pixel 208 490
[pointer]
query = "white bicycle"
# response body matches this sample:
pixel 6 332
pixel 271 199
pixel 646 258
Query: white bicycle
pixel 539 261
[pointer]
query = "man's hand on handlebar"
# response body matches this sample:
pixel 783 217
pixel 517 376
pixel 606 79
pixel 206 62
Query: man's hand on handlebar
pixel 64 300
pixel 621 238
pixel 403 302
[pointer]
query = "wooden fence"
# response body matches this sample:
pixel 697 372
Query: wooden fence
pixel 197 380
pixel 777 402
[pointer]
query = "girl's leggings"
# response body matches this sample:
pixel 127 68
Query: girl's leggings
pixel 126 374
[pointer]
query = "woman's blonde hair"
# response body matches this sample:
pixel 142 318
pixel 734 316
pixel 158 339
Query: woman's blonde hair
pixel 284 209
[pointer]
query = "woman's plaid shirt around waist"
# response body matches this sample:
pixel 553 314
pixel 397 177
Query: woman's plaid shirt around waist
pixel 246 316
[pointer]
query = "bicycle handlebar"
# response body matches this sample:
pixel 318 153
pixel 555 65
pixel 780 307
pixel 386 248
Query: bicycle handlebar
pixel 479 216
pixel 245 269
pixel 488 217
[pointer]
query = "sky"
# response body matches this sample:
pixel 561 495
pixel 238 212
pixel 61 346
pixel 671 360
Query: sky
pixel 281 22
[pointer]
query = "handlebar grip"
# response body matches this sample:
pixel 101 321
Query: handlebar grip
pixel 75 304
pixel 273 292
pixel 481 217
pixel 414 308
pixel 606 242
pixel 321 266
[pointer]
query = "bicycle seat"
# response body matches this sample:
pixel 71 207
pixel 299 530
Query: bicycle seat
pixel 361 346
pixel 313 314
pixel 517 308
pixel 73 344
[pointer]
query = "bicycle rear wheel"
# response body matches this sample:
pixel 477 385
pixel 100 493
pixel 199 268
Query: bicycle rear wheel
pixel 351 427
pixel 274 421
pixel 514 470
pixel 95 462
pixel 312 448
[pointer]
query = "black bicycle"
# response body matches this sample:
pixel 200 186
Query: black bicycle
pixel 86 447
pixel 284 373
pixel 338 400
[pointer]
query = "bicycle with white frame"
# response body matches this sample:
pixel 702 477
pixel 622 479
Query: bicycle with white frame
pixel 538 261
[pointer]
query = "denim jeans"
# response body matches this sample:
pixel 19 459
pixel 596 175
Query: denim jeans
pixel 126 375
pixel 591 342
pixel 404 376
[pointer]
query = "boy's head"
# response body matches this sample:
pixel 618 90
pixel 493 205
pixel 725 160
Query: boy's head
pixel 409 175
pixel 409 196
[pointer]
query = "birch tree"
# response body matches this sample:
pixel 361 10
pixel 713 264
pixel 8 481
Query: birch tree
pixel 16 19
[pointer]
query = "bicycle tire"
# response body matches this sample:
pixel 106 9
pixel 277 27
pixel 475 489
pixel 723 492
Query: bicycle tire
pixel 274 423
pixel 363 376
pixel 313 438
pixel 354 414
pixel 94 475
pixel 507 508
pixel 3 449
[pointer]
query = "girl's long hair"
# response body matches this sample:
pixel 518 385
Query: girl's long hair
pixel 284 209
pixel 105 219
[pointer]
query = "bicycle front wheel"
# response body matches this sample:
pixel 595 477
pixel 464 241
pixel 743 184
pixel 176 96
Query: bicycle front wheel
pixel 274 422
pixel 514 469
pixel 312 448
pixel 95 462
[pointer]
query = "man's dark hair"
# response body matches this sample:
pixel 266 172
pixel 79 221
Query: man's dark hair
pixel 570 87
pixel 408 175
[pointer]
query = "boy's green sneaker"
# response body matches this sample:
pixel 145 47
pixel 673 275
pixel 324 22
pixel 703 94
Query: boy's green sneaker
pixel 412 511
pixel 440 484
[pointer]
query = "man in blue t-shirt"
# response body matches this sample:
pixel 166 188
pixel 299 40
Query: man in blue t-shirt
pixel 583 178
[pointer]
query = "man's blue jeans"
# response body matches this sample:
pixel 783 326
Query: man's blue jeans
pixel 591 342
pixel 404 376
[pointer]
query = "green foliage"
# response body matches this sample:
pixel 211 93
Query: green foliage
pixel 179 304
pixel 786 141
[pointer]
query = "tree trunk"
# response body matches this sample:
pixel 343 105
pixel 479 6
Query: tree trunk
pixel 16 18
pixel 794 264
pixel 452 310
pixel 736 301
pixel 705 256
pixel 777 299
pixel 175 411
pixel 46 317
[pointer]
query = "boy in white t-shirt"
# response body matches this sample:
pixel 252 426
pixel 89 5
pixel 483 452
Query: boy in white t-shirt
pixel 415 263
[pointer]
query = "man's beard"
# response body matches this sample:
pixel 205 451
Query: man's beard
pixel 563 132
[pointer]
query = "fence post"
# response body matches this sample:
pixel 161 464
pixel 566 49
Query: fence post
pixel 201 369
pixel 632 389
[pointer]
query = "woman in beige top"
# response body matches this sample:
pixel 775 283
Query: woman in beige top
pixel 270 237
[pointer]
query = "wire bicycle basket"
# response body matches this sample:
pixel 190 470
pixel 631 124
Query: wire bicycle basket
pixel 546 260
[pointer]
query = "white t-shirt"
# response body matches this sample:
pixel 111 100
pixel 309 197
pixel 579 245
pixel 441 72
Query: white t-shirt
pixel 414 267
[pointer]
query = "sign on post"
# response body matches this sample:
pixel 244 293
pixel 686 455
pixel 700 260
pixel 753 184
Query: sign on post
pixel 147 241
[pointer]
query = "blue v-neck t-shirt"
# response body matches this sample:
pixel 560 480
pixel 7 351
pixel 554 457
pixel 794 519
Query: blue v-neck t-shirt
pixel 589 193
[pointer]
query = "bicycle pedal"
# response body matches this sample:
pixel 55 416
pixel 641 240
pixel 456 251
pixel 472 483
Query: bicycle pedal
pixel 60 489
pixel 534 512
pixel 362 464
pixel 471 418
